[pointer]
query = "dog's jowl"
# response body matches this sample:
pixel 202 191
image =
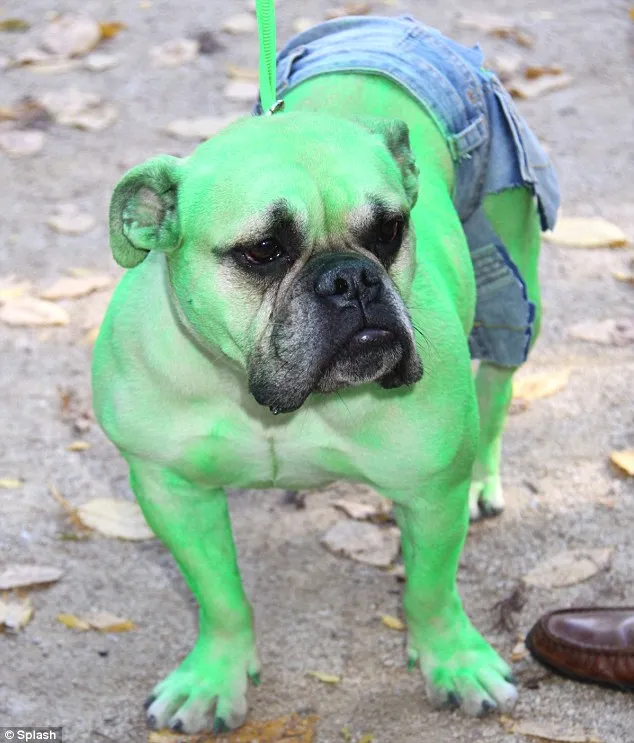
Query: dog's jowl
pixel 331 270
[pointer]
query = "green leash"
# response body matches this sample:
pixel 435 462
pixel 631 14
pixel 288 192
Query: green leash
pixel 265 13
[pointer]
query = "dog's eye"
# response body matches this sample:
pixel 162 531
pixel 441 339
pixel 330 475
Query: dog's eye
pixel 265 252
pixel 390 231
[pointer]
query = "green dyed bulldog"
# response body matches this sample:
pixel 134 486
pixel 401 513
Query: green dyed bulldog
pixel 297 312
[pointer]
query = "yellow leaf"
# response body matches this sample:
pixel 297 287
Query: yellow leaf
pixel 106 622
pixel 367 738
pixel 114 517
pixel 627 278
pixel 393 623
pixel 15 614
pixel 110 29
pixel 325 678
pixel 12 289
pixel 32 312
pixel 8 483
pixel 624 460
pixel 73 622
pixel 14 25
pixel 543 384
pixel 586 232
pixel 291 729
pixel 78 446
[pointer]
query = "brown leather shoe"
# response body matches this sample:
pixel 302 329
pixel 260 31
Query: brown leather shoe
pixel 591 645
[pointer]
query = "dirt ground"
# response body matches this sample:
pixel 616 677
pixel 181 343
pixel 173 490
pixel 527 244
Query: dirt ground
pixel 314 611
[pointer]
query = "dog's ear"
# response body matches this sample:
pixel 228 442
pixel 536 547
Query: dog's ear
pixel 143 212
pixel 395 134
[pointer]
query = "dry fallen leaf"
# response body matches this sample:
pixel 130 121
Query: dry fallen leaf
pixel 358 511
pixel 78 446
pixel 27 113
pixel 102 621
pixel 15 613
pixel 21 576
pixel 367 738
pixel 542 384
pixel 14 25
pixel 325 678
pixel 302 23
pixel 348 9
pixel 586 232
pixel 293 729
pixel 10 483
pixel 613 332
pixel 242 23
pixel 527 89
pixel 30 312
pixel 495 25
pixel 36 60
pixel 21 142
pixel 519 652
pixel 533 71
pixel 11 287
pixel 363 542
pixel 505 66
pixel 100 62
pixel 70 35
pixel 625 277
pixel 570 567
pixel 241 90
pixel 174 53
pixel 552 732
pixel 72 107
pixel 72 288
pixel 624 460
pixel 115 518
pixel 243 73
pixel 73 622
pixel 110 29
pixel 69 220
pixel 200 128
pixel 393 623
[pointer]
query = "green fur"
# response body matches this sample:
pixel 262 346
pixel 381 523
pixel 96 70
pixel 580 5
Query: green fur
pixel 176 402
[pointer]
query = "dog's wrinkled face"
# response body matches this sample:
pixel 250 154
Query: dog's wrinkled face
pixel 288 249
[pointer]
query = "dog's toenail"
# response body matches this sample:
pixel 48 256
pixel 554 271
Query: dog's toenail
pixel 256 679
pixel 177 727
pixel 148 702
pixel 487 707
pixel 411 664
pixel 511 679
pixel 151 722
pixel 220 726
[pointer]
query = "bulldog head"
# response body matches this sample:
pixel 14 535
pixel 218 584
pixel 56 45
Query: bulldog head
pixel 288 249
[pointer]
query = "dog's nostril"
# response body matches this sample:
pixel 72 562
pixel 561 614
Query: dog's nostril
pixel 341 285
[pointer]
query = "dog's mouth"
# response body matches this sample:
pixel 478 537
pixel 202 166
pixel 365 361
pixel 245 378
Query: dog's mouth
pixel 365 356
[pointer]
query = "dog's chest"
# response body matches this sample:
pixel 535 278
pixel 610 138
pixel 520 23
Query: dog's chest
pixel 307 451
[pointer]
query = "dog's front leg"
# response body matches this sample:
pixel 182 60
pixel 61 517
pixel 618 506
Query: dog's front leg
pixel 208 689
pixel 458 665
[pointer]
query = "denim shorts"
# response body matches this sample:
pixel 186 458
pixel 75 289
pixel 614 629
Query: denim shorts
pixel 492 148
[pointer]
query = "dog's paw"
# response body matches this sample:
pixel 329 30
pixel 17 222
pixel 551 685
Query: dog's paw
pixel 486 498
pixel 463 670
pixel 207 691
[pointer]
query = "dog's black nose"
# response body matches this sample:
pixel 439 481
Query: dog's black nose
pixel 347 280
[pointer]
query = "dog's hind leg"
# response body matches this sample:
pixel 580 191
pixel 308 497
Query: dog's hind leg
pixel 513 215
